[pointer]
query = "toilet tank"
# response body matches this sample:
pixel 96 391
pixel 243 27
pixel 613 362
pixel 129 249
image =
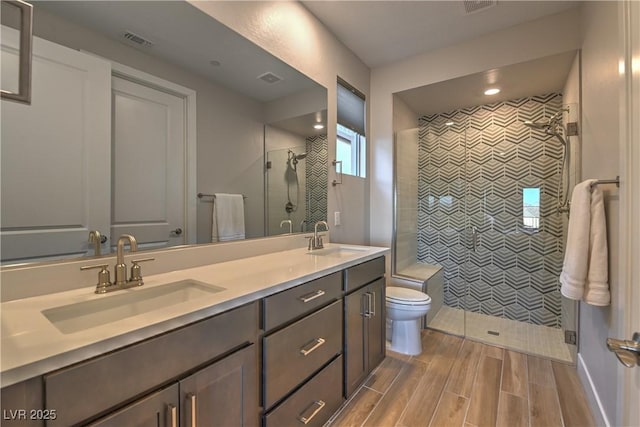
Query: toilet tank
pixel 431 283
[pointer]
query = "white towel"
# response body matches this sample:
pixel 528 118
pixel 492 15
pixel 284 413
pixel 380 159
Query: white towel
pixel 227 219
pixel 585 269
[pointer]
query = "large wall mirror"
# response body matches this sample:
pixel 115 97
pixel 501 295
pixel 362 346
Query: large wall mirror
pixel 137 108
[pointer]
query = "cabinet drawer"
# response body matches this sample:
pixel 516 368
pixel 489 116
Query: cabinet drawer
pixel 361 274
pixel 89 388
pixel 314 403
pixel 294 302
pixel 294 353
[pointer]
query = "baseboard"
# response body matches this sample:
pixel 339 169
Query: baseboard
pixel 599 415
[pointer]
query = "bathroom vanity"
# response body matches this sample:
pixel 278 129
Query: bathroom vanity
pixel 283 338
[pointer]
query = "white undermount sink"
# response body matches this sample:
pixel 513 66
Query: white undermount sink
pixel 338 251
pixel 126 303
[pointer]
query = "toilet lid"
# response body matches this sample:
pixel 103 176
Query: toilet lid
pixel 407 296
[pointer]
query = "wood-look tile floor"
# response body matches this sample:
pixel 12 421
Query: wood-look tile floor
pixel 458 382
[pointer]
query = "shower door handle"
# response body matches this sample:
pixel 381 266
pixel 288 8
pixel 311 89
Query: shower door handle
pixel 474 239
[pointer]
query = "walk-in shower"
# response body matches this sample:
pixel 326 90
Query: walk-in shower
pixel 477 198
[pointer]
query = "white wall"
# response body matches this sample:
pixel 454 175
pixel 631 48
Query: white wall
pixel 551 35
pixel 600 159
pixel 290 32
pixel 229 125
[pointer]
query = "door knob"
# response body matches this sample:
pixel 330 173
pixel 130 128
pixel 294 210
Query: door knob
pixel 628 352
pixel 177 231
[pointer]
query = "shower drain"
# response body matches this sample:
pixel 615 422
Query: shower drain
pixel 496 333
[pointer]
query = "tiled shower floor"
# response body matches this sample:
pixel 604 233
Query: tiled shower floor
pixel 525 337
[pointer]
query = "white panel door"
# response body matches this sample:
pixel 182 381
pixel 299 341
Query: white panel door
pixel 148 195
pixel 56 156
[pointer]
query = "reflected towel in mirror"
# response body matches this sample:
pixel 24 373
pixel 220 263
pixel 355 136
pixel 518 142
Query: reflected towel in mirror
pixel 227 219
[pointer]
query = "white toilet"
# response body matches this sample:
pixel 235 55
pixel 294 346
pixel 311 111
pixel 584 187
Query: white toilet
pixel 405 309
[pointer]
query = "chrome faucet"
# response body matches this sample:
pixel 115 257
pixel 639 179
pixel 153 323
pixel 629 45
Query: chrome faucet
pixel 121 267
pixel 104 284
pixel 285 221
pixel 96 238
pixel 315 242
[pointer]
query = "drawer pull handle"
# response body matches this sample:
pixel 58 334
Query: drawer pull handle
pixel 368 313
pixel 172 416
pixel 318 342
pixel 372 307
pixel 192 409
pixel 313 295
pixel 306 420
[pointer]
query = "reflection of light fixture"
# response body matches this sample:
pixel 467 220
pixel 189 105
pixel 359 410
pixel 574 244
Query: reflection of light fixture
pixel 449 124
pixel 318 126
pixel 492 91
pixel 214 63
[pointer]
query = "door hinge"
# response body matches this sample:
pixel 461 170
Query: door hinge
pixel 570 337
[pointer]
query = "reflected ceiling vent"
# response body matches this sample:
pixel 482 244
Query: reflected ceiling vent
pixel 475 6
pixel 270 78
pixel 137 40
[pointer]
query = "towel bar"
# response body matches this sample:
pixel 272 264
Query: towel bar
pixel 615 181
pixel 201 195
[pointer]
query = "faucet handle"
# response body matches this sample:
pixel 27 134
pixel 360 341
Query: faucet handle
pixel 136 271
pixel 311 238
pixel 104 277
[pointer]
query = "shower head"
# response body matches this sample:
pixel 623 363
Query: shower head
pixel 300 156
pixel 549 125
pixel 537 125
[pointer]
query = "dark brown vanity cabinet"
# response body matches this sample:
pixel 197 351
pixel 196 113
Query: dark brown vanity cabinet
pixel 365 321
pixel 212 364
pixel 301 361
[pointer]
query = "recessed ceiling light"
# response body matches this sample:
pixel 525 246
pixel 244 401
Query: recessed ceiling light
pixel 318 126
pixel 492 91
pixel 449 124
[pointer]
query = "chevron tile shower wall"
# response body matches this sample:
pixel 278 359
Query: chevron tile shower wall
pixel 472 174
pixel 316 179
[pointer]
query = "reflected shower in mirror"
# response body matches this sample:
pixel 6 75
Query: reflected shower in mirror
pixel 296 173
pixel 137 108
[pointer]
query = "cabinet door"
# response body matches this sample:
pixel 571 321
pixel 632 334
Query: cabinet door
pixel 157 410
pixel 376 324
pixel 354 352
pixel 222 394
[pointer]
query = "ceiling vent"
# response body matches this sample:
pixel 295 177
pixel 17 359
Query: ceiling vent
pixel 137 40
pixel 270 78
pixel 474 6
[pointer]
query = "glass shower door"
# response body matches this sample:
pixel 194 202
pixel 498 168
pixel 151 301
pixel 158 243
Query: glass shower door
pixel 515 233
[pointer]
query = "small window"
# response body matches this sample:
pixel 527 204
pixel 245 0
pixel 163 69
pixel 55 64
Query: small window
pixel 351 141
pixel 531 208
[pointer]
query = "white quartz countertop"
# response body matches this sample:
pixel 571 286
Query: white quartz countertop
pixel 31 345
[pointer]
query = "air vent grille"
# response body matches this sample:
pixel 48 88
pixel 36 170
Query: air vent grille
pixel 270 78
pixel 474 6
pixel 137 39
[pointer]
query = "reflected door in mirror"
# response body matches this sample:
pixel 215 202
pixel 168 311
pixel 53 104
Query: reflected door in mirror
pixel 149 164
pixel 56 155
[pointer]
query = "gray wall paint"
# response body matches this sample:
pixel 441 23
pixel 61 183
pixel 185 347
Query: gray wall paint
pixel 600 159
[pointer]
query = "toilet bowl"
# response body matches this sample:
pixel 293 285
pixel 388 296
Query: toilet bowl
pixel 405 309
